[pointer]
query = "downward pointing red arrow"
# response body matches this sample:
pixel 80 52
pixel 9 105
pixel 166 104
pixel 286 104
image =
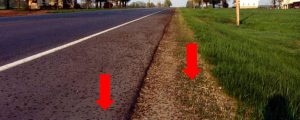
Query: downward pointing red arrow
pixel 104 88
pixel 191 69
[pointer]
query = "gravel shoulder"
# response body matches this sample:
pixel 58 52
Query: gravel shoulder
pixel 158 96
pixel 168 94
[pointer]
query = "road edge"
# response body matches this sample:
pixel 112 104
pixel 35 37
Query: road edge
pixel 141 83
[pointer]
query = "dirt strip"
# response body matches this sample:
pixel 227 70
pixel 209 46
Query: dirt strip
pixel 168 94
pixel 9 13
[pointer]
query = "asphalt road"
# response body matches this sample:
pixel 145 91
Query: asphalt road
pixel 64 85
pixel 27 35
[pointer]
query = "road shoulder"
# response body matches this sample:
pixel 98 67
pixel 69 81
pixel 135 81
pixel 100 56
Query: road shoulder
pixel 157 98
pixel 168 94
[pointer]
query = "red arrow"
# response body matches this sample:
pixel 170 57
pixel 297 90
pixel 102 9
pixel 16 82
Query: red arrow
pixel 104 85
pixel 191 69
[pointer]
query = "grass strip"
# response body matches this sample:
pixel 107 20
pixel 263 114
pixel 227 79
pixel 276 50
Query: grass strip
pixel 258 62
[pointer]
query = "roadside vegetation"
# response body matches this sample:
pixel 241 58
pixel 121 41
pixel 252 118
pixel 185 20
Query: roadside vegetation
pixel 168 94
pixel 202 98
pixel 258 62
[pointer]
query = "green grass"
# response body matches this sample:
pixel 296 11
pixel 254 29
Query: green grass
pixel 256 61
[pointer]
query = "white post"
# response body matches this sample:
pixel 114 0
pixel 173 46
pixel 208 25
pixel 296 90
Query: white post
pixel 237 8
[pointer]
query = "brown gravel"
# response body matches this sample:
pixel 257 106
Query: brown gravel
pixel 158 96
pixel 168 94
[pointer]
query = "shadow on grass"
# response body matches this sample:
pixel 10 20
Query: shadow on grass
pixel 277 109
pixel 245 18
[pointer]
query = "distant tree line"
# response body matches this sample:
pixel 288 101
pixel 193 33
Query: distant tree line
pixel 224 3
pixel 138 4
pixel 201 3
pixel 141 4
pixel 66 4
pixel 8 4
pixel 167 3
pixel 275 2
pixel 106 3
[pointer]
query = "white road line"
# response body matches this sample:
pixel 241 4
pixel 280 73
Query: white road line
pixel 47 52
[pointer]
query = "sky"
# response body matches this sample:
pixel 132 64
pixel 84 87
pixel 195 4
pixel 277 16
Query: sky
pixel 182 3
